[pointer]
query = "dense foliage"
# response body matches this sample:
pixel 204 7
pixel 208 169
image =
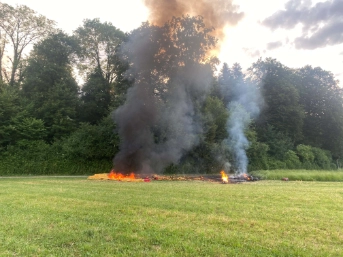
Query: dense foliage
pixel 50 123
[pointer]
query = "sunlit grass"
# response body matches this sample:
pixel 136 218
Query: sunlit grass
pixel 303 175
pixel 78 217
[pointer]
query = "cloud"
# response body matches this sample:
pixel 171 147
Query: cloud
pixel 322 22
pixel 252 52
pixel 274 45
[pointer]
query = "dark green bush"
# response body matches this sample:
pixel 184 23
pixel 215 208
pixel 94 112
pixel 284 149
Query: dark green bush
pixel 92 142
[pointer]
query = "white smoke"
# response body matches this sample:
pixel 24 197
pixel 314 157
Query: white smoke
pixel 244 105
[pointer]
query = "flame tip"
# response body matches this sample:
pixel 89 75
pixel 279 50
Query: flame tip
pixel 225 177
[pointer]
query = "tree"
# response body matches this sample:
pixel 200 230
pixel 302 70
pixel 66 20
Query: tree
pixel 99 47
pixel 226 82
pixel 282 110
pixel 257 152
pixel 98 53
pixel 279 143
pixel 3 41
pixel 228 79
pixel 210 155
pixel 22 26
pixel 50 87
pixel 322 99
pixel 15 122
pixel 92 142
pixel 9 107
pixel 96 98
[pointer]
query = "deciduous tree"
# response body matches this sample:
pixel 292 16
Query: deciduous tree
pixel 22 26
pixel 322 99
pixel 50 86
pixel 99 47
pixel 282 110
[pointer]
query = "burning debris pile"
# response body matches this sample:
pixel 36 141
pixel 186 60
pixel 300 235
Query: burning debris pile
pixel 118 177
pixel 237 178
pixel 224 178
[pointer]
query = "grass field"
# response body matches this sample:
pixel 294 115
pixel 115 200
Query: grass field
pixel 78 217
pixel 303 175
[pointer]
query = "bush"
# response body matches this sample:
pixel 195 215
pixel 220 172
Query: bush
pixel 257 154
pixel 92 142
pixel 305 153
pixel 274 164
pixel 322 158
pixel 292 160
pixel 39 158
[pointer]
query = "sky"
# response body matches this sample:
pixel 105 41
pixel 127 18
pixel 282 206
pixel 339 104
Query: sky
pixel 295 32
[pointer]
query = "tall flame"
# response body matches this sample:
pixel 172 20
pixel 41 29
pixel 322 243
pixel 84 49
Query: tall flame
pixel 225 177
pixel 118 176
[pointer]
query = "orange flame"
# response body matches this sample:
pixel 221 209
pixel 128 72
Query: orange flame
pixel 225 178
pixel 118 176
pixel 246 176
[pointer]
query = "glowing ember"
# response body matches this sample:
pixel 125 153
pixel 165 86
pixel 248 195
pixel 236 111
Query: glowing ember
pixel 246 177
pixel 225 178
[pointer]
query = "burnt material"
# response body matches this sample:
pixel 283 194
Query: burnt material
pixel 242 178
pixel 233 179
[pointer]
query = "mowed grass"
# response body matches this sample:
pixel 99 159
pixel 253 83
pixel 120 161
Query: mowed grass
pixel 304 175
pixel 78 217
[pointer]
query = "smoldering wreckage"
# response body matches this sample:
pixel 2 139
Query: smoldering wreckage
pixel 171 69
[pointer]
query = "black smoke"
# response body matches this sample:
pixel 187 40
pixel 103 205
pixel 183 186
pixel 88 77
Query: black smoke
pixel 160 120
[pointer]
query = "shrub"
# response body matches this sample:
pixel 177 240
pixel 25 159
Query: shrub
pixel 274 164
pixel 305 153
pixel 322 158
pixel 92 142
pixel 292 160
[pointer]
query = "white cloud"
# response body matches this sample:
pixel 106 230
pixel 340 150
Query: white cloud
pixel 322 23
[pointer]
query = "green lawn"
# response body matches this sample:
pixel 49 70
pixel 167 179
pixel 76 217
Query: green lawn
pixel 78 217
pixel 303 175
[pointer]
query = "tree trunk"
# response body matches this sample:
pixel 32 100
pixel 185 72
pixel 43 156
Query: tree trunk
pixel 14 68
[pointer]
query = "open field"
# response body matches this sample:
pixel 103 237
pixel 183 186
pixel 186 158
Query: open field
pixel 304 175
pixel 78 217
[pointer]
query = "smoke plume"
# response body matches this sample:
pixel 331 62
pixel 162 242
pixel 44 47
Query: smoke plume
pixel 171 74
pixel 244 105
pixel 159 121
pixel 216 13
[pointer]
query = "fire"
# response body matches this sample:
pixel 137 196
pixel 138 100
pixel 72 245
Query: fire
pixel 118 176
pixel 225 178
pixel 113 175
pixel 246 176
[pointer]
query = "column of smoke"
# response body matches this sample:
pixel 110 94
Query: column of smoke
pixel 147 111
pixel 158 122
pixel 244 106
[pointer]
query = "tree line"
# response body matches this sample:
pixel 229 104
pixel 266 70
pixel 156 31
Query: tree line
pixel 50 122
